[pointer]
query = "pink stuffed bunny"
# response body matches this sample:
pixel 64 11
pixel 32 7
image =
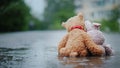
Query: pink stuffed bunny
pixel 97 36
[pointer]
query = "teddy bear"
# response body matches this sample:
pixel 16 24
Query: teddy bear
pixel 93 29
pixel 77 42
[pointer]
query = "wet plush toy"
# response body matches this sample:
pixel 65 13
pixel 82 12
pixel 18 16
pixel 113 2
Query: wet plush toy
pixel 97 36
pixel 77 42
pixel 94 32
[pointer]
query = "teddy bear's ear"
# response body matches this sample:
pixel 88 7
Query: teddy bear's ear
pixel 63 24
pixel 80 15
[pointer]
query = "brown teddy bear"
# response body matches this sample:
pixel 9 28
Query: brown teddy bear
pixel 77 42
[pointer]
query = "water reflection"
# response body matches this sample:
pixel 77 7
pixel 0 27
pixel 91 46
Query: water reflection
pixel 12 58
pixel 84 62
pixel 41 52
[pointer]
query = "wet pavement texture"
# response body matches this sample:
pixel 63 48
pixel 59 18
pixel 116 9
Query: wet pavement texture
pixel 38 49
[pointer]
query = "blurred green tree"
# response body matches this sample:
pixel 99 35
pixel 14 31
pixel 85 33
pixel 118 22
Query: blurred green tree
pixel 35 24
pixel 57 11
pixel 14 15
pixel 112 23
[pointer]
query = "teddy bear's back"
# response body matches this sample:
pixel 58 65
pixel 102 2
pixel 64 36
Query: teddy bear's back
pixel 75 40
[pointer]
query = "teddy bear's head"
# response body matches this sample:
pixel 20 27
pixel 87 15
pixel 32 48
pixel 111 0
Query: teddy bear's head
pixel 77 20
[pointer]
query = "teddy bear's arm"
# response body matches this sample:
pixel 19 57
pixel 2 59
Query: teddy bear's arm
pixel 63 42
pixel 95 49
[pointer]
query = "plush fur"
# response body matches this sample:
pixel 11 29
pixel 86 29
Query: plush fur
pixel 94 32
pixel 98 37
pixel 77 42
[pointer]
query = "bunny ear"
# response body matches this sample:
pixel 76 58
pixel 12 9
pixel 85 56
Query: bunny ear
pixel 97 24
pixel 80 15
pixel 63 24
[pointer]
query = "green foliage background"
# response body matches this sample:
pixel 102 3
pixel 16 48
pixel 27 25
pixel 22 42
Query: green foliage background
pixel 14 15
pixel 112 23
pixel 56 12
